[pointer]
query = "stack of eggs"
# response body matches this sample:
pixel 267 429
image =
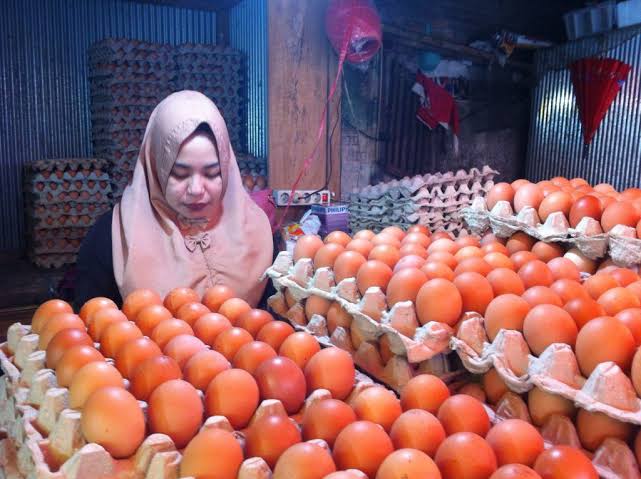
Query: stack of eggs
pixel 128 78
pixel 432 200
pixel 253 171
pixel 63 198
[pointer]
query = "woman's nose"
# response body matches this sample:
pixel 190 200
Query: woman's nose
pixel 195 186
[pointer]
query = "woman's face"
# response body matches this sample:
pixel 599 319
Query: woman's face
pixel 195 185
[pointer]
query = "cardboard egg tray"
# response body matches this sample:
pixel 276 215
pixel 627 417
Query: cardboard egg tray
pixel 52 260
pixel 70 233
pixel 421 353
pixel 608 390
pixel 129 49
pixel 39 426
pixel 621 243
pixel 110 112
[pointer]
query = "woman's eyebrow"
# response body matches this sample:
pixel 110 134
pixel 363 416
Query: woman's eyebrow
pixel 212 165
pixel 181 165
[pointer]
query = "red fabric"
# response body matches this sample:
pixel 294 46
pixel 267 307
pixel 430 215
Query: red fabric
pixel 438 106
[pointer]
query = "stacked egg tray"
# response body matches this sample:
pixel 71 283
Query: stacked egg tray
pixel 128 78
pixel 219 73
pixel 430 200
pixel 424 352
pixel 251 165
pixel 63 198
pixel 620 244
pixel 40 437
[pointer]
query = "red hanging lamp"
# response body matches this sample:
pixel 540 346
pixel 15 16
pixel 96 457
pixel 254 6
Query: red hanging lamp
pixel 596 82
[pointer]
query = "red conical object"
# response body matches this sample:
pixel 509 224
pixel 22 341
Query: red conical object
pixel 596 83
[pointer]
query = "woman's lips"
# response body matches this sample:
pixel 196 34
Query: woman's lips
pixel 196 206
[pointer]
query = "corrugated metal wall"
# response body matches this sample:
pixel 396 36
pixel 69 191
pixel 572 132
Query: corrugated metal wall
pixel 556 143
pixel 44 92
pixel 248 33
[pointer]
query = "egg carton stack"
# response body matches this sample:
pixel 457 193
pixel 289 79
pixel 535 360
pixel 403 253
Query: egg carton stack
pixel 432 200
pixel 253 171
pixel 40 436
pixel 219 73
pixel 63 198
pixel 388 344
pixel 128 78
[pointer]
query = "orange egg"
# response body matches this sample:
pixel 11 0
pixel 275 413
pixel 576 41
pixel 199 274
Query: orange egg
pixel 635 288
pixel 151 373
pixel 253 320
pixel 137 300
pixel 385 253
pixel 362 445
pixel 410 261
pixel 378 405
pixel 516 184
pixel 133 353
pixel 62 342
pixel 604 339
pixel 386 239
pixel 338 237
pixel 72 360
pixel 444 245
pixel 528 195
pixel 581 261
pixel 558 201
pixel 541 295
pixel 604 188
pixel 365 234
pixel 325 256
pixel 46 310
pixel 435 270
pixel 182 423
pixel 237 408
pixel 519 242
pixel 191 312
pixel 325 419
pixel 58 322
pixel 443 257
pixel 230 341
pixel 547 188
pixel 417 429
pixel 498 260
pixel 331 369
pixel 543 405
pixel 304 460
pixel 418 229
pixel 347 264
pixel 547 251
pixel 617 299
pixel 412 249
pixel 619 213
pixel 506 311
pixel 208 327
pixel 586 206
pixel 274 333
pixel 233 309
pixel 515 471
pixel 299 347
pixel 405 285
pixel 583 310
pixel 113 418
pixel 168 329
pixel 562 462
pixel 521 258
pixel 117 335
pixel 316 305
pixel 594 427
pixel 578 182
pixel 461 413
pixel 475 265
pixel 93 305
pixel 373 273
pixel 635 371
pixel 494 386
pixel 91 377
pixel 337 317
pixel 215 296
pixel 598 284
pixel 307 246
pixel 504 281
pixel 150 316
pixel 465 455
pixel 475 390
pixel 499 192
pixel 564 268
pixel 424 391
pixel 624 276
pixel 197 460
pixel 204 366
pixel 361 246
pixel 476 291
pixel 182 347
pixel 568 289
pixel 417 238
pixel 535 273
pixel 493 246
pixel 439 300
pixel 408 463
pixel 395 231
pixel 269 436
pixel 515 441
pixel 631 318
pixel 103 318
pixel 280 378
pixel 177 297
pixel 546 324
pixel 468 252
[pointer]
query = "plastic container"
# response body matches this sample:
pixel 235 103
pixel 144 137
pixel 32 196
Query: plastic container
pixel 628 13
pixel 589 21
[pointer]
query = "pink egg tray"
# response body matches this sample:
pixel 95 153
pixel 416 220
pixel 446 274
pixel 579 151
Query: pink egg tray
pixel 36 426
pixel 416 349
pixel 608 390
pixel 621 243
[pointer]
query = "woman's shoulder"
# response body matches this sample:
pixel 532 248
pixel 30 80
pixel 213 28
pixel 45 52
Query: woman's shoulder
pixel 98 238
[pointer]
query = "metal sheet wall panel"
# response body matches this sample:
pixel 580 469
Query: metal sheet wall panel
pixel 248 33
pixel 556 142
pixel 44 92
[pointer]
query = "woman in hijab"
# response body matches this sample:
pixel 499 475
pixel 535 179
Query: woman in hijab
pixel 184 220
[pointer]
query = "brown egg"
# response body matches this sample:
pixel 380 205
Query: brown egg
pixel 138 299
pixel 546 324
pixel 215 296
pixel 133 353
pixel 437 270
pixel 563 268
pixel 604 188
pixel 209 326
pixel 299 347
pixel 583 310
pixel 385 253
pixel 413 249
pixel 93 305
pixel 151 373
pixel 419 229
pixel 541 295
pixel 568 289
pixel 307 246
pixel 168 329
pixel 102 318
pixel 631 318
pixel 519 241
pixel 504 281
pixel 386 239
pixel 585 264
pixel 517 184
pixel 586 206
pixel 595 427
pixel 230 341
pixel 520 258
pixel 617 299
pixel 373 273
pixel 417 238
pixel 117 335
pixel 491 245
pixel 469 240
pixel 72 360
pixel 365 234
pixel 475 265
pixel 578 182
pixel 326 255
pixel 604 339
pixel 405 285
pixel 443 257
pixel 347 264
pixel 233 309
pixel 547 251
pixel 542 405
pixel 468 252
pixel 624 276
pixel 62 341
pixel 316 305
pixel 253 320
pixel 90 378
pixel 493 386
pixel 411 261
pixel 204 366
pixel 149 317
pixel 182 347
pixel 536 273
pixel 619 213
pixel 338 237
pixel 499 192
pixel 191 312
pixel 476 292
pixel 337 317
pixel 558 201
pixel 58 322
pixel 499 260
pixel 360 245
pixel 506 311
pixel 528 195
pixel 547 188
pixel 442 244
pixel 198 461
pixel 274 333
pixel 46 310
pixel 178 297
pixel 378 405
pixel 395 231
pixel 439 300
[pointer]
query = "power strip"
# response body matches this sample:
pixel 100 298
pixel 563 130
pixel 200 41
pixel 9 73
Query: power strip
pixel 303 197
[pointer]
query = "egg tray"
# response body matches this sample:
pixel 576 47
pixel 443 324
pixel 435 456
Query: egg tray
pixel 621 243
pixel 40 426
pixel 54 260
pixel 427 196
pixel 60 167
pixel 58 245
pixel 418 354
pixel 607 390
pixel 69 233
pixel 127 49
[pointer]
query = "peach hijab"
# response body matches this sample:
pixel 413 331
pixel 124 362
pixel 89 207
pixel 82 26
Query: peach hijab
pixel 153 248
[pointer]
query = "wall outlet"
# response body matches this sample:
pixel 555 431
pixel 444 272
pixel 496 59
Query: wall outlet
pixel 303 197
